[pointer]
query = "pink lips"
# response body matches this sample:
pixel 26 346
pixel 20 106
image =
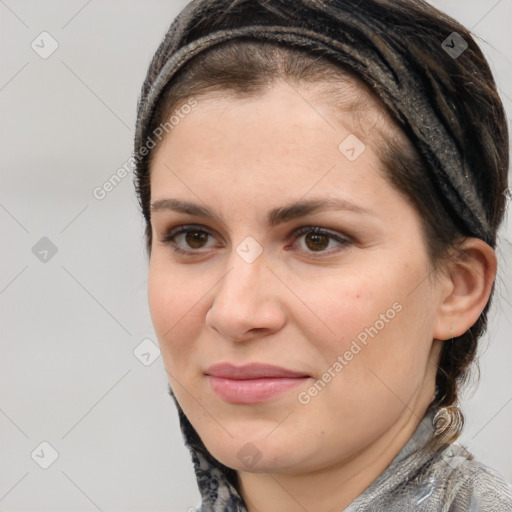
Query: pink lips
pixel 252 383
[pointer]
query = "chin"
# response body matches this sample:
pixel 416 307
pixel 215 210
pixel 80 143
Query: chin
pixel 263 454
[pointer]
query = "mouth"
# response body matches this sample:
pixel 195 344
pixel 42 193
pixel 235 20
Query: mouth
pixel 252 383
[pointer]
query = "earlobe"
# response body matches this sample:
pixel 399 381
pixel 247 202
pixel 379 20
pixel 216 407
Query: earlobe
pixel 471 275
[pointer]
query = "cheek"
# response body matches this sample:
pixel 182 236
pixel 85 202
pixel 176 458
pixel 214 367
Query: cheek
pixel 338 307
pixel 176 307
pixel 371 317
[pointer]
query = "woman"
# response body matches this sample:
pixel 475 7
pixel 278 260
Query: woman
pixel 322 184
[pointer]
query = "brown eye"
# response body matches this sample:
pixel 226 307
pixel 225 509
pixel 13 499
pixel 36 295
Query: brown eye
pixel 316 242
pixel 188 239
pixel 196 239
pixel 314 239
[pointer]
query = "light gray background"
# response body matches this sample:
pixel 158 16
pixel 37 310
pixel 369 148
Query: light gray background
pixel 68 375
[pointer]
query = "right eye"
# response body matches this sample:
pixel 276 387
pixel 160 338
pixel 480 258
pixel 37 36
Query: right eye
pixel 186 239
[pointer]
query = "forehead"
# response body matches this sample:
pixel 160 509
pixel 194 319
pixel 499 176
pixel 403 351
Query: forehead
pixel 284 116
pixel 270 149
pixel 285 125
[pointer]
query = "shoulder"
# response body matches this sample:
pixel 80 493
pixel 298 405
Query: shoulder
pixel 479 488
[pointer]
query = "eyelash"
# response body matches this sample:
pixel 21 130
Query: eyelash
pixel 169 237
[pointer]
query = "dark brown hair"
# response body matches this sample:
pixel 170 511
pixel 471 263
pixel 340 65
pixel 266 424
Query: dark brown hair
pixel 247 68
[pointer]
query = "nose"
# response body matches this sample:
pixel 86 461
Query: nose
pixel 246 303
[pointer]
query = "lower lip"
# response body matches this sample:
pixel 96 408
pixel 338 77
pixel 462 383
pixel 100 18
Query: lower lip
pixel 252 391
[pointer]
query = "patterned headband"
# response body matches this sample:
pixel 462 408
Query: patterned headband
pixel 357 35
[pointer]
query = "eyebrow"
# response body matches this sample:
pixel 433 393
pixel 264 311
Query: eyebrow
pixel 274 217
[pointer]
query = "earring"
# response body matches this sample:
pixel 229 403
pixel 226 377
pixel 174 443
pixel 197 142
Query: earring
pixel 448 422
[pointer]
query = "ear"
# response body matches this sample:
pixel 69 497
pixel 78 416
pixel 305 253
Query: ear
pixel 468 281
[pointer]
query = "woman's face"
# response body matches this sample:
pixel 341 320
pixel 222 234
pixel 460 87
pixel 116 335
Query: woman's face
pixel 342 320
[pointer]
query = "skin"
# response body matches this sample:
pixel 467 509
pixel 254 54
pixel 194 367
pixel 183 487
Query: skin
pixel 297 306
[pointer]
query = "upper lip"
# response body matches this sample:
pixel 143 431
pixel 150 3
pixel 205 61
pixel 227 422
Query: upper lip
pixel 251 371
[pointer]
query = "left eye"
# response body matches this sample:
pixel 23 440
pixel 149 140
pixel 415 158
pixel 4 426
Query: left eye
pixel 317 239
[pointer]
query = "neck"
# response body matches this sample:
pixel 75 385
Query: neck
pixel 329 489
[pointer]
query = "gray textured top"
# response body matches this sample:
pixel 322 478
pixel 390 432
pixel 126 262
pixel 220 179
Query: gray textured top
pixel 450 480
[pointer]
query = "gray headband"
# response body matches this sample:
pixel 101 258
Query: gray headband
pixel 413 94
